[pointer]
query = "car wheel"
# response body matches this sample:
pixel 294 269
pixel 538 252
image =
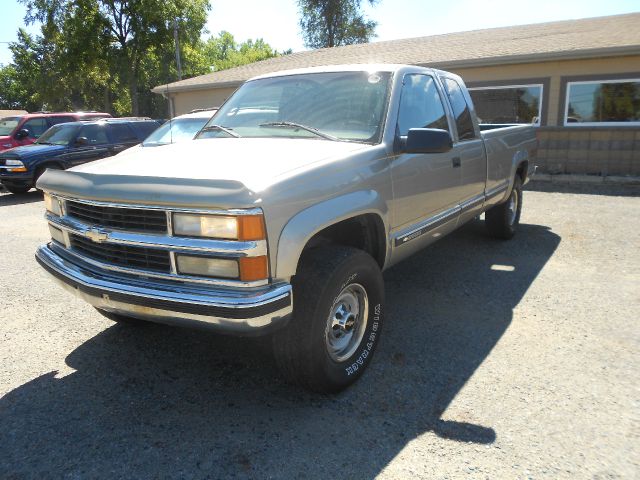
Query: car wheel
pixel 17 190
pixel 338 296
pixel 502 220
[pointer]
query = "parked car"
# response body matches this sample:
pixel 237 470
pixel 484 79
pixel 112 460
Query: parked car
pixel 25 129
pixel 180 128
pixel 69 144
pixel 283 226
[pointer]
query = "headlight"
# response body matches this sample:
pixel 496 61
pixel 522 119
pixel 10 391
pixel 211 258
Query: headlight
pixel 247 269
pixel 207 267
pixel 15 166
pixel 243 227
pixel 52 204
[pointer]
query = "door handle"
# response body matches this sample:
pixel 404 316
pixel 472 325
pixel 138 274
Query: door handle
pixel 456 162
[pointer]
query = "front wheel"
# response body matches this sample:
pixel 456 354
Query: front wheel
pixel 17 190
pixel 502 220
pixel 338 296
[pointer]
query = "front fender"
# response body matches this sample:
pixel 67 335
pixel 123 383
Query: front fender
pixel 305 224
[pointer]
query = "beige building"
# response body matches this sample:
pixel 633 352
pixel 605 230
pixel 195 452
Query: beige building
pixel 579 80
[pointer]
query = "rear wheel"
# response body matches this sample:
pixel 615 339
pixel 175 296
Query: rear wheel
pixel 502 220
pixel 337 319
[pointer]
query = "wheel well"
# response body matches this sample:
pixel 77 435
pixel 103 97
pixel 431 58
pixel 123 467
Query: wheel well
pixel 365 232
pixel 522 170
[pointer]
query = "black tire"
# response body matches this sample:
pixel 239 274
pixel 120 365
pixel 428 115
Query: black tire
pixel 115 317
pixel 503 219
pixel 17 190
pixel 327 280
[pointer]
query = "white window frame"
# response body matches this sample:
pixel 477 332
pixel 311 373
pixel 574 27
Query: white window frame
pixel 502 87
pixel 595 124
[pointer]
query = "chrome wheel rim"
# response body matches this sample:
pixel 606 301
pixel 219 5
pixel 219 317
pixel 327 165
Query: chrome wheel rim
pixel 347 322
pixel 513 207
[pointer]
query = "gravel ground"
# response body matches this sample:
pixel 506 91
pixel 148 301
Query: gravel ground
pixel 499 360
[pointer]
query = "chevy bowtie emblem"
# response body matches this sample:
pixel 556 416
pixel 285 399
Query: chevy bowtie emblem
pixel 96 235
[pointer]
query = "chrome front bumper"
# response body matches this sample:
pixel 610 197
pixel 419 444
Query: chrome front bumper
pixel 254 311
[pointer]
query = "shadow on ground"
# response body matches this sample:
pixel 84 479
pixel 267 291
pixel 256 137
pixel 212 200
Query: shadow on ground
pixel 154 401
pixel 7 199
pixel 615 190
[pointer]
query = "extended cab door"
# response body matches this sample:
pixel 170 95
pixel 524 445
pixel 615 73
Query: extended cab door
pixel 469 148
pixel 425 186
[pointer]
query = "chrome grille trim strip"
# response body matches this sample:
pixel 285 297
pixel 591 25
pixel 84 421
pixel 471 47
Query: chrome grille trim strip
pixel 70 254
pixel 221 248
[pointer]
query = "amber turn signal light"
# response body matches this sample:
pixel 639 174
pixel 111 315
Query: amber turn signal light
pixel 251 227
pixel 253 269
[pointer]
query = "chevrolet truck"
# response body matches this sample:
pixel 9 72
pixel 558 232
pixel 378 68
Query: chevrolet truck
pixel 279 218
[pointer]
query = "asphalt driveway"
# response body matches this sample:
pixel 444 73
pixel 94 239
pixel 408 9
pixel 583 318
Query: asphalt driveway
pixel 499 360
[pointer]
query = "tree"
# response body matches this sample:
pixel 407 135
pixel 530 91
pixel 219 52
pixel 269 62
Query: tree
pixel 223 52
pixel 331 23
pixel 122 44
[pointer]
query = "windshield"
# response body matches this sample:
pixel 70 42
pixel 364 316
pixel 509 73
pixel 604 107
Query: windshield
pixel 344 106
pixel 59 135
pixel 174 131
pixel 8 125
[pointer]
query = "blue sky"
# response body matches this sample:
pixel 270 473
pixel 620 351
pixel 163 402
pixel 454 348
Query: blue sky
pixel 276 21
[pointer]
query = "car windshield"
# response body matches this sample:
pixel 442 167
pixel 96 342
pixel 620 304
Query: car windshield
pixel 8 125
pixel 334 106
pixel 176 130
pixel 59 135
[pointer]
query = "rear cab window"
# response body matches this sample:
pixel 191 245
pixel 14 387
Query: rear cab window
pixel 461 110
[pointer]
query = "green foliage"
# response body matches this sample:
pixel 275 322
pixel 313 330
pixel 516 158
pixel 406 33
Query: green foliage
pixel 331 23
pixel 223 52
pixel 108 54
pixel 13 94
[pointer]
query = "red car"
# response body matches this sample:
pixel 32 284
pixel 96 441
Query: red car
pixel 25 129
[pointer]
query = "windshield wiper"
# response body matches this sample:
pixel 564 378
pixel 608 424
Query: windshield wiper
pixel 220 128
pixel 300 126
pixel 45 143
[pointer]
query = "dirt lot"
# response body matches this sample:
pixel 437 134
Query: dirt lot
pixel 499 360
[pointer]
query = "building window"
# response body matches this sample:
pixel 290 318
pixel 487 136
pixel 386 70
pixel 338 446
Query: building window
pixel 604 103
pixel 508 104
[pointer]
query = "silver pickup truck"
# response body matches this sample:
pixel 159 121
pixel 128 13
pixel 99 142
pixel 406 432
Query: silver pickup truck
pixel 279 218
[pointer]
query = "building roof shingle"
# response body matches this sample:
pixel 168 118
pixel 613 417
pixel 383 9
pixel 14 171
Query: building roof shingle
pixel 591 37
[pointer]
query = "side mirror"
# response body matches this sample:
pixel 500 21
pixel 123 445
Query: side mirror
pixel 22 133
pixel 82 141
pixel 427 140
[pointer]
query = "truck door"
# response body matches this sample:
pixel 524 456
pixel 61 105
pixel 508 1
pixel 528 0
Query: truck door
pixel 469 148
pixel 425 186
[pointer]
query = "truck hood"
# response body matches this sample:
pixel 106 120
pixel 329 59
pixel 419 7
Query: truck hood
pixel 27 152
pixel 256 163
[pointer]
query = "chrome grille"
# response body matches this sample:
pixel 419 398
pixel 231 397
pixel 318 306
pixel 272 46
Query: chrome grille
pixel 152 259
pixel 132 219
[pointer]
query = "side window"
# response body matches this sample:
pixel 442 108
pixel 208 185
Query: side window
pixel 420 105
pixel 144 129
pixel 57 120
pixel 94 134
pixel 460 110
pixel 121 132
pixel 36 127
